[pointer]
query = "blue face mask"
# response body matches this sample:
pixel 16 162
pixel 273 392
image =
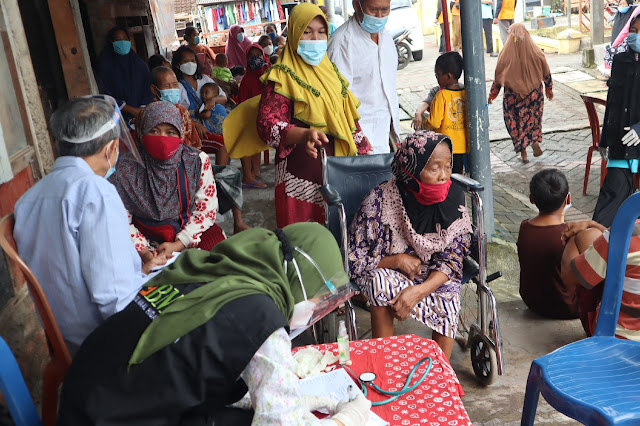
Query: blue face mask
pixel 371 24
pixel 634 42
pixel 112 169
pixel 122 47
pixel 624 9
pixel 170 95
pixel 312 51
pixel 272 36
pixel 196 40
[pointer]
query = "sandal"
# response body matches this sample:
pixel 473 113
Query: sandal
pixel 537 150
pixel 256 184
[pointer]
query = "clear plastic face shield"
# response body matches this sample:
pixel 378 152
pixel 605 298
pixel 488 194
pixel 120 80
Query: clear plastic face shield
pixel 336 291
pixel 116 122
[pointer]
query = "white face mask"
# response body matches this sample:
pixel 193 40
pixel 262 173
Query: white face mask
pixel 301 314
pixel 189 68
pixel 268 50
pixel 240 37
pixel 567 207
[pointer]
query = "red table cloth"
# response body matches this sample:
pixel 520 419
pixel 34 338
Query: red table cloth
pixel 436 402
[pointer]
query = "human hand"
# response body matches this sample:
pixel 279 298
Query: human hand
pixel 573 228
pixel 153 261
pixel 408 265
pixel 417 122
pixel 549 94
pixel 353 413
pixel 495 22
pixel 168 248
pixel 489 100
pixel 315 403
pixel 405 302
pixel 631 138
pixel 202 131
pixel 314 138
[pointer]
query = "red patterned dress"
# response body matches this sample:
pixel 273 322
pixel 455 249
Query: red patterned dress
pixel 298 176
pixel 523 116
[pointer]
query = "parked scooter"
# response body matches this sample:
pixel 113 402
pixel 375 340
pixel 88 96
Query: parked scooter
pixel 402 42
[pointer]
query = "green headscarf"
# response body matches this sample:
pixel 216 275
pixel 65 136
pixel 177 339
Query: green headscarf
pixel 246 264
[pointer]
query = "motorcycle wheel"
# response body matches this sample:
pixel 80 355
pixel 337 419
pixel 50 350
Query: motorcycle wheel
pixel 404 54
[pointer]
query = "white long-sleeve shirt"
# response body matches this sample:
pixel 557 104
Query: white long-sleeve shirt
pixel 370 69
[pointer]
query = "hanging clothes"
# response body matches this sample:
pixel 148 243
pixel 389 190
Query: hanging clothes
pixel 280 10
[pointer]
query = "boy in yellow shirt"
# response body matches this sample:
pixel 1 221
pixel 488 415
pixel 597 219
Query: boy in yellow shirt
pixel 448 111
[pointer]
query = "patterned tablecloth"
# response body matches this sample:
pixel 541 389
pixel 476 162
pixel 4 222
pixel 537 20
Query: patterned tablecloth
pixel 436 402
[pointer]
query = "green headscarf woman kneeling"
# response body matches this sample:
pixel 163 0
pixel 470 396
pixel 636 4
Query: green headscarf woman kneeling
pixel 199 335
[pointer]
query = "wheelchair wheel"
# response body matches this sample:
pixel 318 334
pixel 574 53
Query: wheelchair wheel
pixel 483 360
pixel 327 328
pixel 469 308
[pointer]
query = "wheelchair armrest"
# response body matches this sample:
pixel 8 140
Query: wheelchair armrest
pixel 330 195
pixel 468 184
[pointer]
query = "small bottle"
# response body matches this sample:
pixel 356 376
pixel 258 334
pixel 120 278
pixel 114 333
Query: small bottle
pixel 343 344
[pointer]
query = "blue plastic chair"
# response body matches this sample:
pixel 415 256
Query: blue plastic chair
pixel 14 390
pixel 596 380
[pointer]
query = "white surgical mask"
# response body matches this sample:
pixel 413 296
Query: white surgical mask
pixel 240 37
pixel 189 68
pixel 268 50
pixel 567 207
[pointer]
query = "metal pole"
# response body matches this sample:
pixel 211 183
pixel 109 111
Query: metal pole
pixel 568 3
pixel 445 25
pixel 597 22
pixel 345 14
pixel 477 108
pixel 330 9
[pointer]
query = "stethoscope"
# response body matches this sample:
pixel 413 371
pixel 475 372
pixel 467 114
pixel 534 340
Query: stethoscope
pixel 366 380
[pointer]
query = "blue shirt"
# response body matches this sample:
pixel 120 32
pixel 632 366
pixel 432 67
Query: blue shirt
pixel 487 12
pixel 624 164
pixel 73 232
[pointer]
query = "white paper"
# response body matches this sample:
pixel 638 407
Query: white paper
pixel 155 271
pixel 335 385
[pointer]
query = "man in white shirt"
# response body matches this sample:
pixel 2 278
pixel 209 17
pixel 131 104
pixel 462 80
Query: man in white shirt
pixel 365 54
pixel 72 229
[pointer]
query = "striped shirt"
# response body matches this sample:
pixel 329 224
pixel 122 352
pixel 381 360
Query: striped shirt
pixel 591 268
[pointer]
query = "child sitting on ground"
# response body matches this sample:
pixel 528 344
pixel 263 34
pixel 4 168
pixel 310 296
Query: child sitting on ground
pixel 540 248
pixel 449 107
pixel 211 113
pixel 220 70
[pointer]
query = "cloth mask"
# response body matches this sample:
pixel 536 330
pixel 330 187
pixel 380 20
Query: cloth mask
pixel 256 62
pixel 272 36
pixel 122 47
pixel 371 24
pixel 170 95
pixel 624 9
pixel 196 40
pixel 161 147
pixel 112 169
pixel 312 51
pixel 240 37
pixel 268 50
pixel 431 193
pixel 634 42
pixel 189 68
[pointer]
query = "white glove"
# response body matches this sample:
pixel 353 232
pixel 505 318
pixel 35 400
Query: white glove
pixel 315 403
pixel 353 413
pixel 604 153
pixel 631 138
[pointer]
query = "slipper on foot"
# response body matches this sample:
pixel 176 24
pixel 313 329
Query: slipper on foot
pixel 254 185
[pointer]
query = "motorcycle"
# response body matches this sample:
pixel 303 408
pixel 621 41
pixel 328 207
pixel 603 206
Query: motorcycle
pixel 402 42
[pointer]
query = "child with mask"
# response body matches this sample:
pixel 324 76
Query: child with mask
pixel 540 248
pixel 267 45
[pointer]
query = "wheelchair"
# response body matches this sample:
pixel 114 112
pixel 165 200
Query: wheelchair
pixel 346 181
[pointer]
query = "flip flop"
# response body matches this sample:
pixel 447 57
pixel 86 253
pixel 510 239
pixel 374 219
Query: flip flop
pixel 254 185
pixel 537 150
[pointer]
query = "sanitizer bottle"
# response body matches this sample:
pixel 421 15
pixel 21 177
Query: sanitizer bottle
pixel 343 344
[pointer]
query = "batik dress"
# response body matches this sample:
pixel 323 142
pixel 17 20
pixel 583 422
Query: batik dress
pixel 298 176
pixel 382 228
pixel 523 116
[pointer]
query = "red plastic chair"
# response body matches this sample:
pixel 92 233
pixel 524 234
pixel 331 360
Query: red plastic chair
pixel 60 361
pixel 594 123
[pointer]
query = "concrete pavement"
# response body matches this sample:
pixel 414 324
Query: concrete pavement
pixel 525 335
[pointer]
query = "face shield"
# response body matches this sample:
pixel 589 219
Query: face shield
pixel 335 292
pixel 116 122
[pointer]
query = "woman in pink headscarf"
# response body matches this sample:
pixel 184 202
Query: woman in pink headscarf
pixel 237 46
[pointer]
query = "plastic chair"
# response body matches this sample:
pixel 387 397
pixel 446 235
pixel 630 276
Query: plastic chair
pixel 596 380
pixel 60 359
pixel 594 123
pixel 14 390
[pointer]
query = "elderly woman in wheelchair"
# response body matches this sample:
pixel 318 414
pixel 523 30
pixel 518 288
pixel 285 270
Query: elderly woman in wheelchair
pixel 408 241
